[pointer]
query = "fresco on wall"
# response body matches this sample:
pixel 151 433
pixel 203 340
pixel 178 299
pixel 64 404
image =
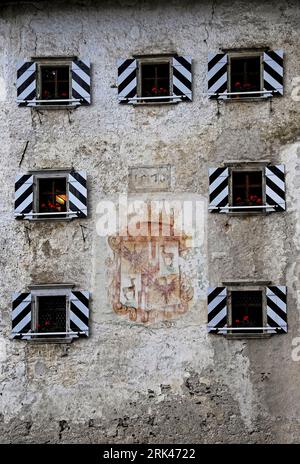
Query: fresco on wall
pixel 146 283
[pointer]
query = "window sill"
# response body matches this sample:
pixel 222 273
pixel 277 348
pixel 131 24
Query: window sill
pixel 41 219
pixel 155 103
pixel 54 107
pixel 246 99
pixel 40 340
pixel 237 336
pixel 52 219
pixel 249 213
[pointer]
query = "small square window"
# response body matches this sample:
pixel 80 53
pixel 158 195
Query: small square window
pixel 247 310
pixel 54 83
pixel 247 190
pixel 52 196
pixel 155 81
pixel 51 315
pixel 245 76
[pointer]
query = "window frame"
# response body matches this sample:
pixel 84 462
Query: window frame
pixel 245 55
pixel 50 174
pixel 36 193
pixel 52 62
pixel 247 168
pixel 50 290
pixel 246 288
pixel 153 60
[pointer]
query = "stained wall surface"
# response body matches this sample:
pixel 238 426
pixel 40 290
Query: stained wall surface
pixel 165 379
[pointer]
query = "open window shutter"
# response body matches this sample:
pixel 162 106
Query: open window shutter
pixel 275 186
pixel 218 189
pixel 276 308
pixel 24 195
pixel 217 74
pixel 217 309
pixel 21 315
pixel 78 193
pixel 79 312
pixel 127 80
pixel 81 81
pixel 182 77
pixel 26 83
pixel 273 71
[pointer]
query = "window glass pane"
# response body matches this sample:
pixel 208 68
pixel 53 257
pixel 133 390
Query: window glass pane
pixel 246 74
pixel 52 196
pixel 247 310
pixel 55 81
pixel 155 80
pixel 247 188
pixel 51 314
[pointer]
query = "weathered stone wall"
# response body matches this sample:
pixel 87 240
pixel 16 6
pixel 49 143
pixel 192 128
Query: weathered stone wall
pixel 168 381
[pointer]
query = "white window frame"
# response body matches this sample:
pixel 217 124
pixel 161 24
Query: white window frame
pixel 245 55
pixel 49 174
pixel 55 62
pixel 50 290
pixel 247 168
pixel 246 288
pixel 36 193
pixel 161 59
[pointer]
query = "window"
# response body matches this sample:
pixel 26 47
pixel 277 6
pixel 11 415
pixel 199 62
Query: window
pixel 51 315
pixel 50 312
pixel 247 189
pixel 247 310
pixel 245 75
pixel 55 83
pixel 52 196
pixel 155 80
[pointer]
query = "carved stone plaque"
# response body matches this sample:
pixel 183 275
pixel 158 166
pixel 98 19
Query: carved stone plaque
pixel 149 178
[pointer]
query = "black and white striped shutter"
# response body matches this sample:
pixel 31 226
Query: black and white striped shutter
pixel 127 80
pixel 273 71
pixel 217 309
pixel 277 308
pixel 218 189
pixel 182 77
pixel 275 187
pixel 79 312
pixel 217 74
pixel 81 81
pixel 21 315
pixel 24 196
pixel 78 193
pixel 26 83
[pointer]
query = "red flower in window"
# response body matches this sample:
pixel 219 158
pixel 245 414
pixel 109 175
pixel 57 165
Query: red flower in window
pixel 237 321
pixel 238 86
pixel 47 323
pixel 247 86
pixel 245 318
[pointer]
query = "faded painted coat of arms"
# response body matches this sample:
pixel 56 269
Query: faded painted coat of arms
pixel 145 279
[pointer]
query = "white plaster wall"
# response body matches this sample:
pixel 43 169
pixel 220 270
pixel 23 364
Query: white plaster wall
pixel 128 382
